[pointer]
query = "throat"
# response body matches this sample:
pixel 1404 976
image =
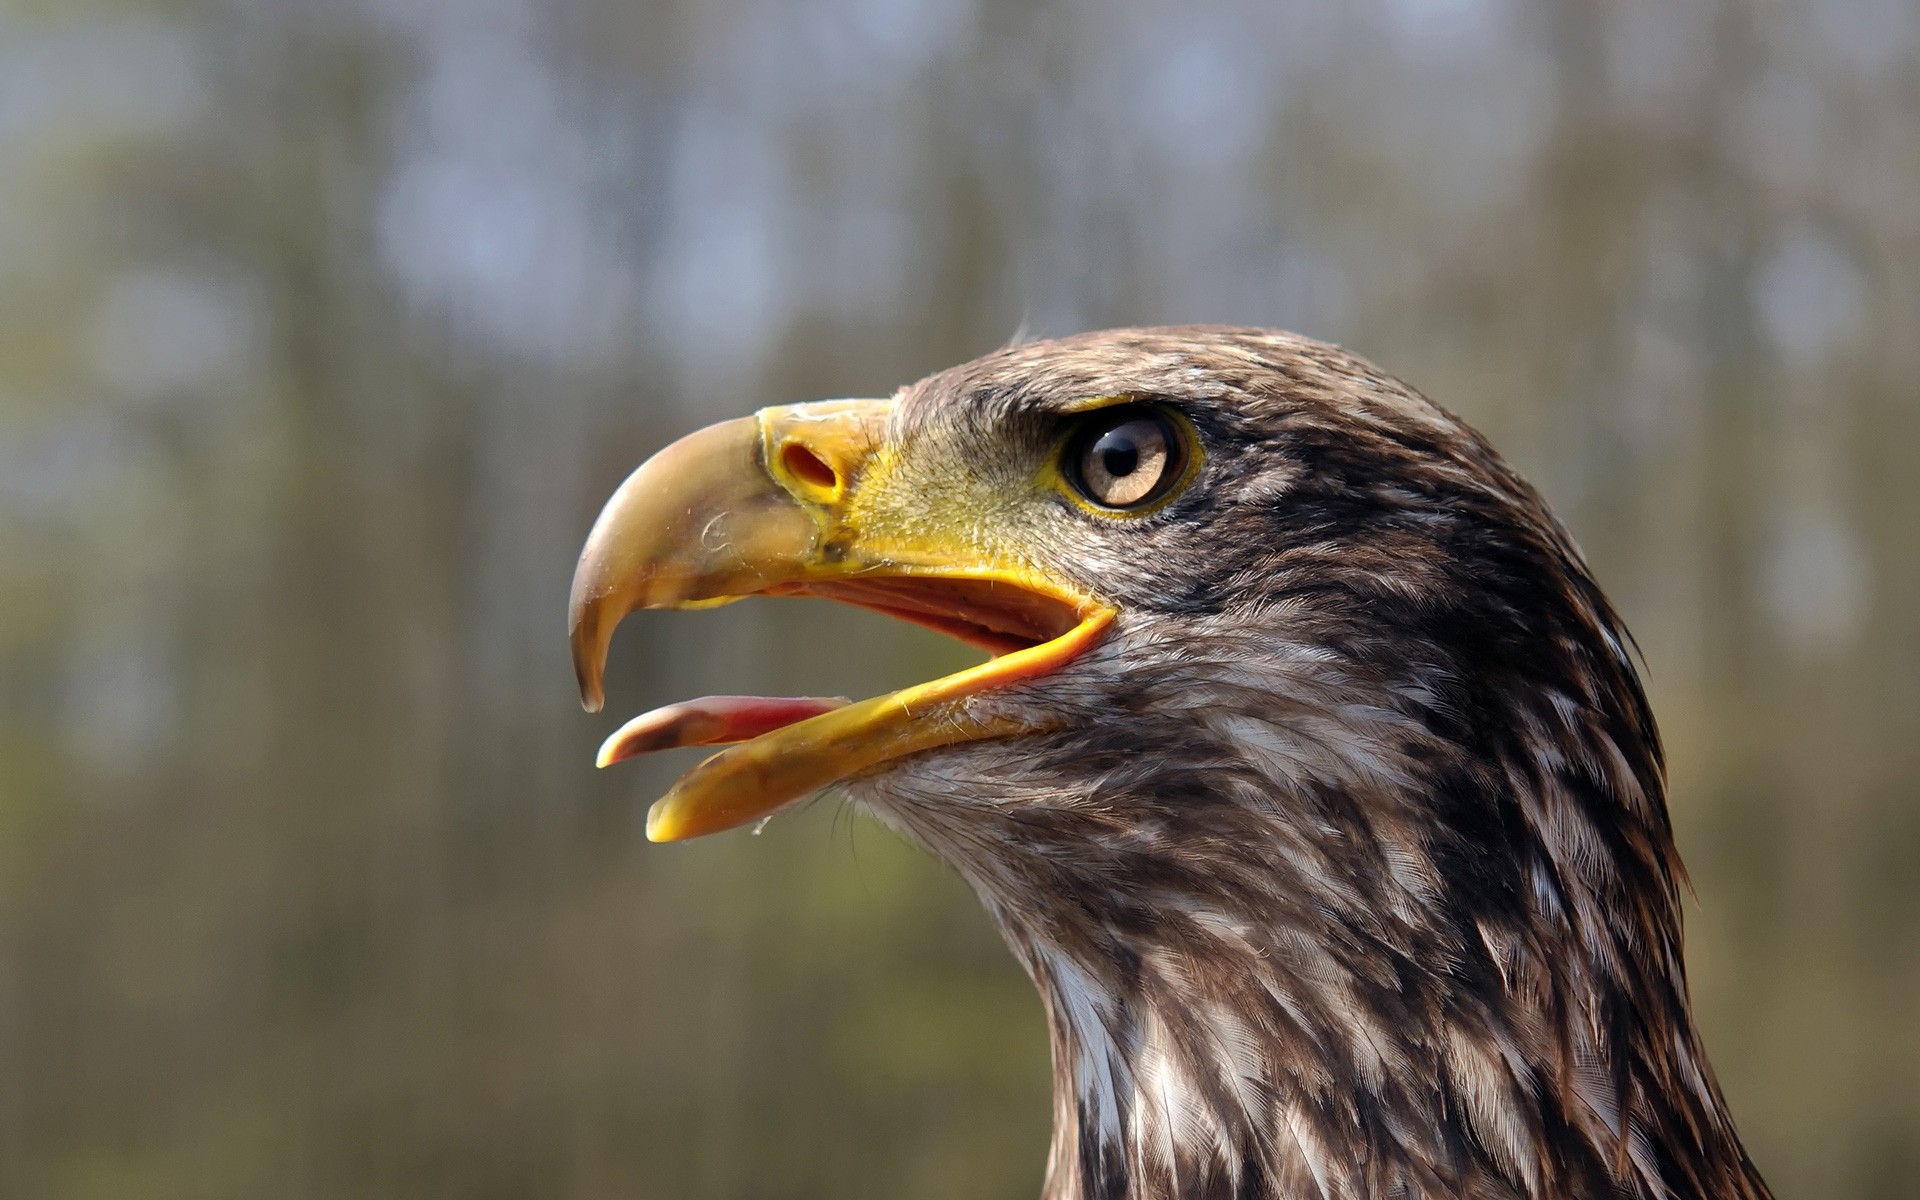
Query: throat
pixel 1284 955
pixel 1157 1095
pixel 1181 1075
pixel 1136 1114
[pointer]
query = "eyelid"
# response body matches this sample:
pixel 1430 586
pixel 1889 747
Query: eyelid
pixel 1088 404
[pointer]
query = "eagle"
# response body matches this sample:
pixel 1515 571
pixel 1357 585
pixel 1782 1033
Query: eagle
pixel 1308 775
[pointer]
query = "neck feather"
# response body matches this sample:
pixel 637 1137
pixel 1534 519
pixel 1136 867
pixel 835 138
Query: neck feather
pixel 1303 1079
pixel 1286 954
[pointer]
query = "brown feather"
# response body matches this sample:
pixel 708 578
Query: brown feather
pixel 1350 872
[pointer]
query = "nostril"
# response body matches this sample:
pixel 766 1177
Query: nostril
pixel 808 467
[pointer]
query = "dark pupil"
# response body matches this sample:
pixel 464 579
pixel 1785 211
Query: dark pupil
pixel 1119 455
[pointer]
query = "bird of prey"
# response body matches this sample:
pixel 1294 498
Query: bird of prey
pixel 1309 775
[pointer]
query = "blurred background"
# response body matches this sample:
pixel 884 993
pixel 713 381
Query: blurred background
pixel 325 326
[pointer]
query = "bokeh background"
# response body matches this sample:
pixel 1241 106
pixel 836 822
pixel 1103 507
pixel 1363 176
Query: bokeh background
pixel 325 326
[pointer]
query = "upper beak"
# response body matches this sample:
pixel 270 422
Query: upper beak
pixel 733 509
pixel 770 504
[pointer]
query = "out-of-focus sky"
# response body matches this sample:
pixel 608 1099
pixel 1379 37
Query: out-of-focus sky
pixel 325 327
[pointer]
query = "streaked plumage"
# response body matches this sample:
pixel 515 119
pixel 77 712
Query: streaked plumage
pixel 1342 862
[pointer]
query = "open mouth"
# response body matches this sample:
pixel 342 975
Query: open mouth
pixel 995 615
pixel 785 748
pixel 709 520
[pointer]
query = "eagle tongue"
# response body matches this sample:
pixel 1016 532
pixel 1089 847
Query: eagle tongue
pixel 711 721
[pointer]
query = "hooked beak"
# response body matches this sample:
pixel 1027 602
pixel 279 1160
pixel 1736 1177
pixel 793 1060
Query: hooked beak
pixel 779 504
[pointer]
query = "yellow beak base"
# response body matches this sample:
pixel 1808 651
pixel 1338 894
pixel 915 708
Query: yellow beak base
pixel 768 504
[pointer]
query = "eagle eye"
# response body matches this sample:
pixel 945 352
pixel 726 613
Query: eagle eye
pixel 1125 457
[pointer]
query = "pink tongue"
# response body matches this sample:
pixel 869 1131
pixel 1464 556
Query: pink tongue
pixel 710 721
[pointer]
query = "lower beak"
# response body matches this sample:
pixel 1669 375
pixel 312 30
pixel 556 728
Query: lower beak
pixel 770 504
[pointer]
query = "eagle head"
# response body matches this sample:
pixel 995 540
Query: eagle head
pixel 1309 775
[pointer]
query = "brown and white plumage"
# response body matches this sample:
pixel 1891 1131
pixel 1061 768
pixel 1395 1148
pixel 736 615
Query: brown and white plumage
pixel 1341 861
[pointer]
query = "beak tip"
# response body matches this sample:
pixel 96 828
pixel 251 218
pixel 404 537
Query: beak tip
pixel 609 753
pixel 589 658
